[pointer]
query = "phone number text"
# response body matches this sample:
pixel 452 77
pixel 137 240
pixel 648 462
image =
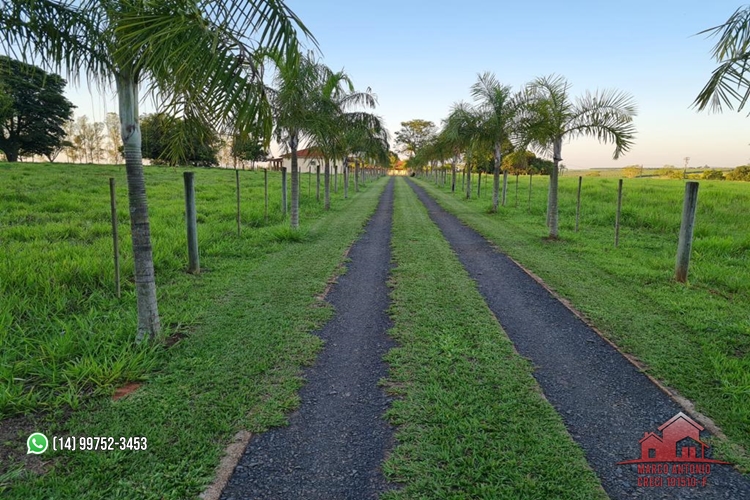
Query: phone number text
pixel 99 443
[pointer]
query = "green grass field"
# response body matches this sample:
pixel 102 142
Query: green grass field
pixel 64 334
pixel 695 337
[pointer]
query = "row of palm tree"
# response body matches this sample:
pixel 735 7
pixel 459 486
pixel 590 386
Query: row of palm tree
pixel 316 105
pixel 540 116
pixel 203 60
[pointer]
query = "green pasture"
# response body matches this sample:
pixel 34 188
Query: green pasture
pixel 64 333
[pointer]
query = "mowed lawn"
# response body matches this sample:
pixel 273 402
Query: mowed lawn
pixel 696 337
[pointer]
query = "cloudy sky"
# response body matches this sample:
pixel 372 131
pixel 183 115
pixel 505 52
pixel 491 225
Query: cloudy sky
pixel 421 56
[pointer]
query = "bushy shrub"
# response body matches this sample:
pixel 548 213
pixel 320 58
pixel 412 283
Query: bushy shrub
pixel 739 174
pixel 713 175
pixel 632 171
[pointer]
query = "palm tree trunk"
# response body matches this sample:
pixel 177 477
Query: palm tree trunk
pixel 327 186
pixel 468 182
pixel 496 178
pixel 293 141
pixel 335 177
pixel 356 176
pixel 553 189
pixel 145 282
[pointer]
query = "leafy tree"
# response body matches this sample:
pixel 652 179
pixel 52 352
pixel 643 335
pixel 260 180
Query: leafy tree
pixel 196 54
pixel 552 116
pixel 72 150
pixel 114 145
pixel 246 149
pixel 160 131
pixel 541 166
pixel 414 134
pixel 632 171
pixel 32 111
pixel 729 82
pixel 739 174
pixel 88 138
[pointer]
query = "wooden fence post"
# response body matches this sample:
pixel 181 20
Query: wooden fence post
pixel 689 207
pixel 192 224
pixel 617 215
pixel 505 187
pixel 283 191
pixel 237 179
pixel 578 202
pixel 531 176
pixel 115 238
pixel 265 192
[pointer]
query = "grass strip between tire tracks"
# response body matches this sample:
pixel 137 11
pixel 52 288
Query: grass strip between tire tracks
pixel 472 421
pixel 239 369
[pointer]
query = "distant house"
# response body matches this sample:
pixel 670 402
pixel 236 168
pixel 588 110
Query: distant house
pixel 308 160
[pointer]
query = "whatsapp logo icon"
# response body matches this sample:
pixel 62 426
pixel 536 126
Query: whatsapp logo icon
pixel 37 443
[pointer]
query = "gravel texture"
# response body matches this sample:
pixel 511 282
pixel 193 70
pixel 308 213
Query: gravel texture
pixel 336 442
pixel 604 401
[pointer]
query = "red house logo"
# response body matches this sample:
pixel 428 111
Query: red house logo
pixel 679 442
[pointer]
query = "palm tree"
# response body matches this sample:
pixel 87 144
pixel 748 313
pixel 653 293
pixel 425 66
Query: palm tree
pixel 335 97
pixel 306 98
pixel 366 138
pixel 497 110
pixel 729 82
pixel 458 132
pixel 552 116
pixel 196 55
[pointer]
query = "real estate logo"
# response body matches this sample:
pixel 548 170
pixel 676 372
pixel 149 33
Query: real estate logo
pixel 677 458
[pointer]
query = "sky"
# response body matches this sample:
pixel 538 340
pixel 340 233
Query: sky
pixel 420 57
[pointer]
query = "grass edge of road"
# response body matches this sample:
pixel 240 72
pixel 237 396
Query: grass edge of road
pixel 240 368
pixel 471 420
pixel 658 323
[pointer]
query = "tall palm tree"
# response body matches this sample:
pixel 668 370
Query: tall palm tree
pixel 305 98
pixel 196 56
pixel 730 81
pixel 552 116
pixel 336 97
pixel 367 138
pixel 458 132
pixel 498 109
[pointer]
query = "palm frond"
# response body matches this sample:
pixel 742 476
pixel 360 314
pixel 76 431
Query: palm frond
pixel 607 116
pixel 64 36
pixel 729 82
